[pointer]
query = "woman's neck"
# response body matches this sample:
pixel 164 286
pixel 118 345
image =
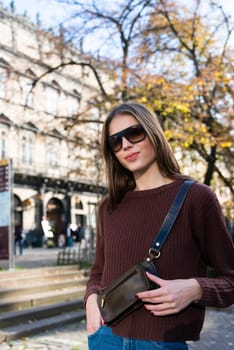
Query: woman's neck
pixel 151 179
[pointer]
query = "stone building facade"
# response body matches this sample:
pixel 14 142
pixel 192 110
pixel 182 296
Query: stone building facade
pixel 56 177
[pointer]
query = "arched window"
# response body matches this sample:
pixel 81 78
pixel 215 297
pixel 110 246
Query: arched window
pixel 55 205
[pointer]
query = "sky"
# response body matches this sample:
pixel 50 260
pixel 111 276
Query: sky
pixel 51 13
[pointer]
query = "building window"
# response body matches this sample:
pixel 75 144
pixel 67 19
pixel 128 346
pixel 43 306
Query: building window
pixel 27 151
pixel 53 155
pixel 3 142
pixel 53 159
pixel 30 151
pixel 72 106
pixel 24 150
pixel 25 92
pixel 78 203
pixel 52 101
pixel 3 82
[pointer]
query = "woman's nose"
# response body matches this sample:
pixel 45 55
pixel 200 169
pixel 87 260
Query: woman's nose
pixel 126 143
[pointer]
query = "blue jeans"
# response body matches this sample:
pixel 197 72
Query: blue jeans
pixel 104 339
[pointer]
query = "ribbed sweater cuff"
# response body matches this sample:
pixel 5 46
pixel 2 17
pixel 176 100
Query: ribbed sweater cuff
pixel 93 290
pixel 205 286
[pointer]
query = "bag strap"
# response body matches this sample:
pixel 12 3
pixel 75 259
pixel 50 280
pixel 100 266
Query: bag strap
pixel 170 219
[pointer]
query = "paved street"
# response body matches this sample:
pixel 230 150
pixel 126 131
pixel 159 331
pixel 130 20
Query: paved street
pixel 218 332
pixel 70 337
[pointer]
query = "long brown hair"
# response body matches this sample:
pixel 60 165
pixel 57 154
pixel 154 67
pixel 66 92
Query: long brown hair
pixel 119 179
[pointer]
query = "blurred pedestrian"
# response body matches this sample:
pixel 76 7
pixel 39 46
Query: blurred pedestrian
pixel 69 236
pixel 143 179
pixel 18 239
pixel 80 233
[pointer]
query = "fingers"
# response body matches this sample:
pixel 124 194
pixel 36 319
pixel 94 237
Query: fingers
pixel 155 279
pixel 156 296
pixel 152 293
pixel 162 309
pixel 161 305
pixel 172 296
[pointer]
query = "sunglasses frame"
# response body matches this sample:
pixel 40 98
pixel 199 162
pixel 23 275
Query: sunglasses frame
pixel 124 133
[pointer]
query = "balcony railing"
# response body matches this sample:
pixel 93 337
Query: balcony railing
pixel 44 171
pixel 40 168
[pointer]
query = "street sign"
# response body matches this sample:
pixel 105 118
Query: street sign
pixel 6 211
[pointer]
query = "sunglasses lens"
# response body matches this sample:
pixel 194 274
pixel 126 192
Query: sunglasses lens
pixel 115 143
pixel 133 134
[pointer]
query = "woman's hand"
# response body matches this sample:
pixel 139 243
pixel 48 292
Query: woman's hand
pixel 93 316
pixel 171 297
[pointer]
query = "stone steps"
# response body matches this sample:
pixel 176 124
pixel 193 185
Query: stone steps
pixel 52 298
pixel 23 323
pixel 37 287
pixel 42 298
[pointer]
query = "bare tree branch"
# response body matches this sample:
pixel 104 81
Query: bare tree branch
pixel 71 62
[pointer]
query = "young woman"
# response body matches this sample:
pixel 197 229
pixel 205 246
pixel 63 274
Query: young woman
pixel 143 179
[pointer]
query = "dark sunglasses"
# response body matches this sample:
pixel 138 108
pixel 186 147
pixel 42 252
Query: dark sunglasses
pixel 134 134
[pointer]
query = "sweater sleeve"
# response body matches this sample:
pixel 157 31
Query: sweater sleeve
pixel 217 250
pixel 94 282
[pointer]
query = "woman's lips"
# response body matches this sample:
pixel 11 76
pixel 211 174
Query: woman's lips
pixel 132 156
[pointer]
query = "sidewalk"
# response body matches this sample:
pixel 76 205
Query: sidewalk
pixel 218 331
pixel 217 335
pixel 70 337
pixel 33 258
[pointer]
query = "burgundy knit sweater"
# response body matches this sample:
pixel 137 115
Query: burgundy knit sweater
pixel 197 239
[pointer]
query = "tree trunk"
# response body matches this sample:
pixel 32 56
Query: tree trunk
pixel 211 166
